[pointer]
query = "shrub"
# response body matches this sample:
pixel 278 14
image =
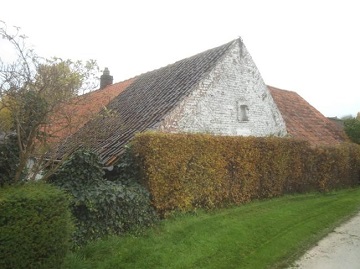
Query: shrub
pixel 101 207
pixel 35 226
pixel 352 129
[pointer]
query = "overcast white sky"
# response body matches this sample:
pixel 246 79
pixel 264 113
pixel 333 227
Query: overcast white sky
pixel 308 46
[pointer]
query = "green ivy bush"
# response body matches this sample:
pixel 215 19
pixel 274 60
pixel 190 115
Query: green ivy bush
pixel 35 226
pixel 101 207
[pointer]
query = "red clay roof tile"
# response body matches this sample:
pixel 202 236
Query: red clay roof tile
pixel 75 114
pixel 303 121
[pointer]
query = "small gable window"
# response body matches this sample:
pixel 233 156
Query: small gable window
pixel 243 113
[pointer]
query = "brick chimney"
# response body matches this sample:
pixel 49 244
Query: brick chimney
pixel 105 78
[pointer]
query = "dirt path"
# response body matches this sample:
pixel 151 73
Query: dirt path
pixel 339 250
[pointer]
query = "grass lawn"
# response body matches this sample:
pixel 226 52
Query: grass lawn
pixel 261 234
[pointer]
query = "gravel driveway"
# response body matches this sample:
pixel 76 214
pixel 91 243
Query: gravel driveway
pixel 338 250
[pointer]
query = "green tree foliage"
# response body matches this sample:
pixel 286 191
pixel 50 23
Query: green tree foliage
pixel 352 129
pixel 31 91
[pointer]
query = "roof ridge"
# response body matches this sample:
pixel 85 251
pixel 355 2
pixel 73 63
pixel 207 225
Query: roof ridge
pixel 189 57
pixel 276 88
pixel 102 89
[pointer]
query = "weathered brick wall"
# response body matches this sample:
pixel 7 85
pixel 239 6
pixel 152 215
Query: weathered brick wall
pixel 231 100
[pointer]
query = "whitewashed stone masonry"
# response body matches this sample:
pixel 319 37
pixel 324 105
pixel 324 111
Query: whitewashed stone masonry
pixel 232 99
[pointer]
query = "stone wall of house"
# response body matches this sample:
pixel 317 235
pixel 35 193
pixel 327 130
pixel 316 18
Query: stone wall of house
pixel 231 100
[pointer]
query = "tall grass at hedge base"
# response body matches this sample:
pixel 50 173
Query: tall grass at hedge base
pixel 188 171
pixel 35 226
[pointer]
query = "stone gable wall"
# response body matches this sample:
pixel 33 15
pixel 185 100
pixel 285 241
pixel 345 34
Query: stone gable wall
pixel 232 99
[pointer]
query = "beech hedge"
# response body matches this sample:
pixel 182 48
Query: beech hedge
pixel 189 171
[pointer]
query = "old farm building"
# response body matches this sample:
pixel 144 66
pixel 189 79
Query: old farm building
pixel 219 91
